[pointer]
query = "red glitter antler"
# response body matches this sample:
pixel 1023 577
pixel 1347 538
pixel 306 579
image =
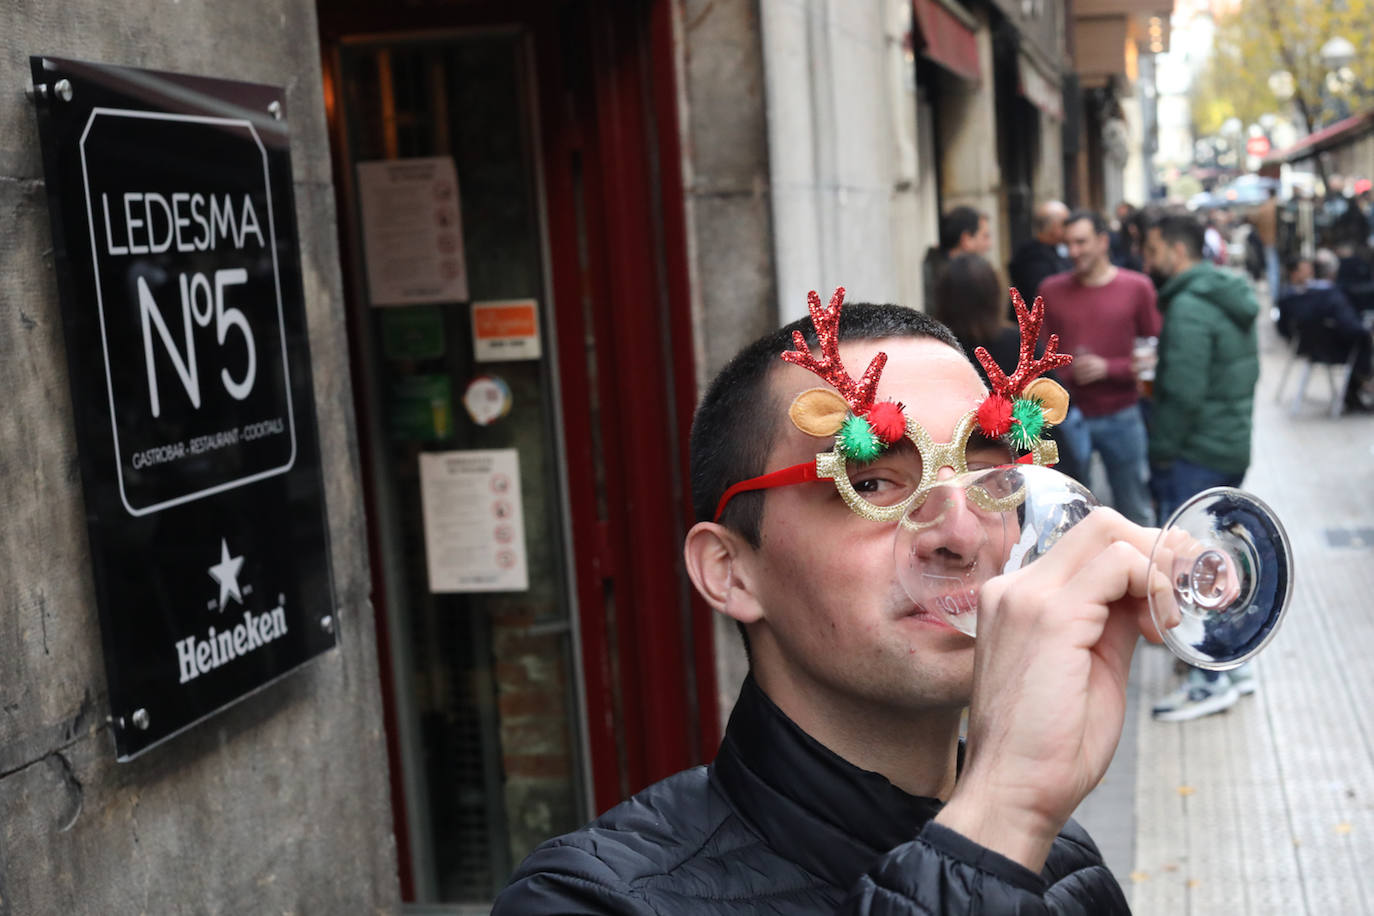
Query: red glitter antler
pixel 859 395
pixel 1027 366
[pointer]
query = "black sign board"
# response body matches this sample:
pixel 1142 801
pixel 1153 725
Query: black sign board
pixel 174 235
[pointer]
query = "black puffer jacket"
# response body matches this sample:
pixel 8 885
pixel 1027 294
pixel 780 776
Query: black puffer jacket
pixel 779 824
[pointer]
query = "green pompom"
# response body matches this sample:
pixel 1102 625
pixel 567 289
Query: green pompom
pixel 1029 415
pixel 856 440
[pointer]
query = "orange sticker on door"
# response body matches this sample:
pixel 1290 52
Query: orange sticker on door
pixel 504 330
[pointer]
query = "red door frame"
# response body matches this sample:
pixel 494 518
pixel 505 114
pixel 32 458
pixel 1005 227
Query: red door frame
pixel 649 674
pixel 624 129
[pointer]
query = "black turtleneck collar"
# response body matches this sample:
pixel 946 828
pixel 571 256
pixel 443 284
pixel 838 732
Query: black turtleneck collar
pixel 811 805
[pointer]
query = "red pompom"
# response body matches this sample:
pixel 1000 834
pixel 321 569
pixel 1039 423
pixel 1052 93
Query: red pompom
pixel 887 421
pixel 994 415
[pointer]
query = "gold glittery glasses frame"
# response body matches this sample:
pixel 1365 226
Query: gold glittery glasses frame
pixel 833 465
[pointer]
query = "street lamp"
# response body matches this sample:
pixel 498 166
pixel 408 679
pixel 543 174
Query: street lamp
pixel 1337 55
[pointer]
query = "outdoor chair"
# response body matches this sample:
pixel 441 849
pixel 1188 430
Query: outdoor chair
pixel 1320 343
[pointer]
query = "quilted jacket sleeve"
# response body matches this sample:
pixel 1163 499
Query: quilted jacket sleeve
pixel 566 878
pixel 1181 384
pixel 942 872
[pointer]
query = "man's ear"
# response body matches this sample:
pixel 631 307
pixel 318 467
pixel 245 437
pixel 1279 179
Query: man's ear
pixel 720 564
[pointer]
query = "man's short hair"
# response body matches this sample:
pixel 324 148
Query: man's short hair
pixel 738 419
pixel 1099 222
pixel 957 222
pixel 1325 264
pixel 1179 227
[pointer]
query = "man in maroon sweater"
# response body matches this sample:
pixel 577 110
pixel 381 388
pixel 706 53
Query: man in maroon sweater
pixel 1098 311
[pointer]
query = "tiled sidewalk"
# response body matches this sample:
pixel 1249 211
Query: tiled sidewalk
pixel 1268 808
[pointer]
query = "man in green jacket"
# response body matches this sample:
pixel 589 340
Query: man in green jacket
pixel 1203 398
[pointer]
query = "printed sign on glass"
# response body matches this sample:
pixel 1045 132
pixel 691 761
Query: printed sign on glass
pixel 505 330
pixel 474 521
pixel 412 231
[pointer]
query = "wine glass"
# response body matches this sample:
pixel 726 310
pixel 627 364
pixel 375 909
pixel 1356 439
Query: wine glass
pixel 1224 551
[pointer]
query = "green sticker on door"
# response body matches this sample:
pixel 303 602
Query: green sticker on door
pixel 421 408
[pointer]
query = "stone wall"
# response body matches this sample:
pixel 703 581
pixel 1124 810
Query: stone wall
pixel 727 195
pixel 280 804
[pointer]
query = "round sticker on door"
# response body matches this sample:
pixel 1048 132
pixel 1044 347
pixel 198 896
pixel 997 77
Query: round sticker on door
pixel 487 399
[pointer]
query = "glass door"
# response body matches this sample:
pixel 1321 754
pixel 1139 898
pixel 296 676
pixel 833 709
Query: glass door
pixel 485 683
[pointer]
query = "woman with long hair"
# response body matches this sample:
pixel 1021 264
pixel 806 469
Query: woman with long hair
pixel 971 301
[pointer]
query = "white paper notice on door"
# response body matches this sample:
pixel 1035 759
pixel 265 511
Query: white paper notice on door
pixel 474 521
pixel 412 231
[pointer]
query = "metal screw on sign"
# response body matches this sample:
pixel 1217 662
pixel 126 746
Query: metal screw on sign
pixel 274 109
pixel 63 88
pixel 141 720
pixel 327 623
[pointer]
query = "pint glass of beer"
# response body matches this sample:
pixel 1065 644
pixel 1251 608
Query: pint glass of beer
pixel 1144 356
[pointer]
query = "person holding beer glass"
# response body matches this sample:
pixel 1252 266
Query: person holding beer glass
pixel 1203 396
pixel 1098 310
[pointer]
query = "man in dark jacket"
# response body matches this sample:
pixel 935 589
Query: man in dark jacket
pixel 841 783
pixel 1039 257
pixel 1327 326
pixel 1204 395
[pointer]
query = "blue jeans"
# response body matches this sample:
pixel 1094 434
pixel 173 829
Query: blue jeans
pixel 1271 271
pixel 1173 486
pixel 1120 439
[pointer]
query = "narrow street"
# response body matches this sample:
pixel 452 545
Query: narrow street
pixel 1268 808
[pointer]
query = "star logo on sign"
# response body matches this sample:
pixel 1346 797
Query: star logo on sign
pixel 226 573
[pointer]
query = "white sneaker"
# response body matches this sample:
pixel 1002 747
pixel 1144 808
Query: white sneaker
pixel 1197 697
pixel 1244 679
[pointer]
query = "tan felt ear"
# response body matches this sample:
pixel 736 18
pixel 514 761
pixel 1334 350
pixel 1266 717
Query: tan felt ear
pixel 818 412
pixel 1052 395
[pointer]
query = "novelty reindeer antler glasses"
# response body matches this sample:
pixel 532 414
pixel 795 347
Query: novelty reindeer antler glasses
pixel 1018 411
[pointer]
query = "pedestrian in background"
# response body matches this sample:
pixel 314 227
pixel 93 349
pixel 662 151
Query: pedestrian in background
pixel 1098 310
pixel 969 301
pixel 1340 221
pixel 1365 201
pixel 1213 240
pixel 1126 239
pixel 1042 256
pixel 963 230
pixel 1355 276
pixel 1328 328
pixel 1299 270
pixel 1265 225
pixel 1204 396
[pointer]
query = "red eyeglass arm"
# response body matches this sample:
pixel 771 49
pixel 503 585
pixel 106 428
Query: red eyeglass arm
pixel 797 473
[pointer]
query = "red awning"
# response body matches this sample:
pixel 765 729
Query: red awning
pixel 1324 139
pixel 943 38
